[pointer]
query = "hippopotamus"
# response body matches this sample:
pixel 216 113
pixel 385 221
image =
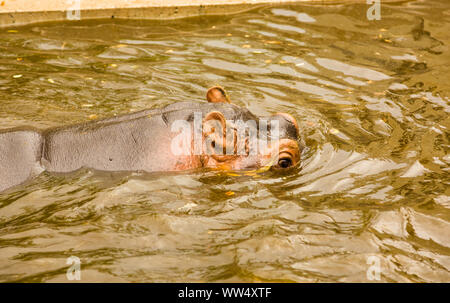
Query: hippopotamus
pixel 151 141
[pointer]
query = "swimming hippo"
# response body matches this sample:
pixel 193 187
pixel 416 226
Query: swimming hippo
pixel 165 139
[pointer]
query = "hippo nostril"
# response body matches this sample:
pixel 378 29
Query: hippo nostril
pixel 285 162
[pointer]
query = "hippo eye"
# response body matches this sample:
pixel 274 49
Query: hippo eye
pixel 285 162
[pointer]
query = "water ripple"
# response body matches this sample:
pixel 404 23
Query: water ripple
pixel 372 104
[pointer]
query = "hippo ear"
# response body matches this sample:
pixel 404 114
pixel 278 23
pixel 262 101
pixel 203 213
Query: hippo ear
pixel 214 133
pixel 215 116
pixel 217 94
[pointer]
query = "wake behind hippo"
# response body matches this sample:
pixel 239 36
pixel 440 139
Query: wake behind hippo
pixel 180 136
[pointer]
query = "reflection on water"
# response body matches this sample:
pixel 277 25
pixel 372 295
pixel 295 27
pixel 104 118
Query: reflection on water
pixel 373 105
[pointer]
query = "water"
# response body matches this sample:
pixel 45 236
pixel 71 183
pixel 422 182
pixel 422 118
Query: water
pixel 372 101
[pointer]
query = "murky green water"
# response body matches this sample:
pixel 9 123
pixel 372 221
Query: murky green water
pixel 372 100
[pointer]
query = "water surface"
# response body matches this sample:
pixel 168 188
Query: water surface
pixel 372 100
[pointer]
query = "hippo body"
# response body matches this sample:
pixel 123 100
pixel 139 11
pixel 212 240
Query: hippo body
pixel 135 142
pixel 20 156
pixel 138 141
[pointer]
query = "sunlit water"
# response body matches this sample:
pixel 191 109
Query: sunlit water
pixel 372 101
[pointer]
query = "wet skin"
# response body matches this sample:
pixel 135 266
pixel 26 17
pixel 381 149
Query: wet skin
pixel 142 141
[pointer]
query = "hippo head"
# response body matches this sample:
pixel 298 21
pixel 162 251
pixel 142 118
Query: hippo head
pixel 238 140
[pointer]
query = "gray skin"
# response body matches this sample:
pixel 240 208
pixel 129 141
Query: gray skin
pixel 134 142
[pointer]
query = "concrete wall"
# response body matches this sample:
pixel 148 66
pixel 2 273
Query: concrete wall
pixel 63 5
pixel 19 12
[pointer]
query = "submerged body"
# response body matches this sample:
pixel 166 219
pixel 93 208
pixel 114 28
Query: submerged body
pixel 140 141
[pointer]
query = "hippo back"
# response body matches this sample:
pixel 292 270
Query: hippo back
pixel 20 155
